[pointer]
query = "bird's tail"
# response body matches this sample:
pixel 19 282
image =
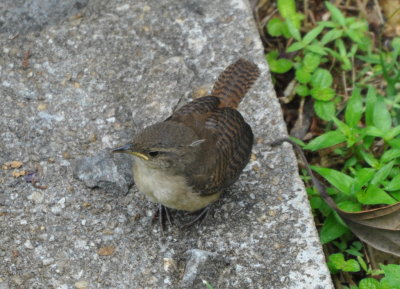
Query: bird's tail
pixel 234 82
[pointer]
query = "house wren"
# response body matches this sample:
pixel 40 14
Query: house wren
pixel 187 160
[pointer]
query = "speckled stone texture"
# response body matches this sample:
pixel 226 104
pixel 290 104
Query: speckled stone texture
pixel 77 85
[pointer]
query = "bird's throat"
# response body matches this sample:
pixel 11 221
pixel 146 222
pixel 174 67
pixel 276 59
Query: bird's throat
pixel 172 191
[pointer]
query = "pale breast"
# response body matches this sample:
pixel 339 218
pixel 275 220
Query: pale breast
pixel 169 190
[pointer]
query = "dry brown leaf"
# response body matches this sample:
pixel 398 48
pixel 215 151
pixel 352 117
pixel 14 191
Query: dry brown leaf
pixel 380 218
pixel 391 10
pixel 385 240
pixel 380 228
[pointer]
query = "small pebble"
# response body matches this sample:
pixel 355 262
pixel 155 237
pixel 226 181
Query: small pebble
pixel 81 285
pixel 106 251
pixel 28 244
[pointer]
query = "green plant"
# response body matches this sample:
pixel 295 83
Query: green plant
pixel 287 9
pixel 207 284
pixel 367 177
pixel 312 52
pixel 338 262
pixel 362 130
pixel 384 64
pixel 390 280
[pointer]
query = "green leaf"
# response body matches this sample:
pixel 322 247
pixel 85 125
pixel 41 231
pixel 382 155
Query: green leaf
pixel 394 184
pixel 322 78
pixel 381 116
pixel 360 26
pixel 326 110
pixel 322 93
pixel 340 244
pixel 351 162
pixel 346 64
pixel 356 36
pixel 311 61
pixel 389 155
pixel 343 55
pixel 369 158
pixel 302 75
pixel 281 65
pixel 349 206
pixel 297 141
pixel 316 202
pixel 272 55
pixel 382 174
pixel 359 37
pixel 337 260
pixel 373 131
pixel 396 43
pixel 328 24
pixel 325 140
pixel 369 283
pixel 354 108
pixel 337 179
pixel 293 30
pixel 368 141
pixel 370 105
pixel 275 27
pixel 344 128
pixel 294 47
pixel 351 266
pixel 341 47
pixel 393 132
pixel 392 276
pixel 372 59
pixel 302 90
pixel 297 18
pixel 333 53
pixel 318 49
pixel 356 252
pixel 353 50
pixel 287 8
pixel 331 35
pixel 360 259
pixel 312 34
pixel 395 143
pixel 331 230
pixel 374 196
pixel 363 176
pixel 208 285
pixel 336 14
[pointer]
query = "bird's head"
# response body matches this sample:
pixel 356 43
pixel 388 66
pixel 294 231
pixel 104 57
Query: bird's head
pixel 165 145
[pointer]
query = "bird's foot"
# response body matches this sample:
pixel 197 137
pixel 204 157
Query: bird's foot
pixel 203 213
pixel 162 213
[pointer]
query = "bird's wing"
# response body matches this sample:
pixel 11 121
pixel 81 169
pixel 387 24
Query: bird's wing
pixel 227 146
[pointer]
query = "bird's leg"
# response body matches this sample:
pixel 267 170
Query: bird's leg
pixel 166 210
pixel 159 213
pixel 199 218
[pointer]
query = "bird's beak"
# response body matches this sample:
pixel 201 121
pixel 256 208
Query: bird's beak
pixel 128 150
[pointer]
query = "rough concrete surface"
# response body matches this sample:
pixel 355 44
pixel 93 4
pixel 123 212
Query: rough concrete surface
pixel 87 80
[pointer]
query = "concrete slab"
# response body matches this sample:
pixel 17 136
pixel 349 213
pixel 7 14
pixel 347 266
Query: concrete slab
pixel 79 85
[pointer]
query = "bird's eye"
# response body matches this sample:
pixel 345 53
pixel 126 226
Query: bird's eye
pixel 154 153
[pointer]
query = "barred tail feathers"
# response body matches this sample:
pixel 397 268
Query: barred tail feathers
pixel 234 82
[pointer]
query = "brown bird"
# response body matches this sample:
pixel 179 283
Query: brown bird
pixel 187 160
